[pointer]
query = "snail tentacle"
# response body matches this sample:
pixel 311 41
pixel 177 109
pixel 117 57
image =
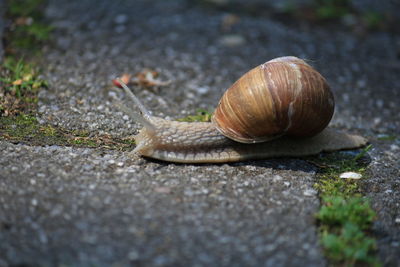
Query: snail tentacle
pixel 144 118
pixel 139 104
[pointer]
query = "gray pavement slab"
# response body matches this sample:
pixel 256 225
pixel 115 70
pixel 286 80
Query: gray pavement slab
pixel 80 207
pixel 98 207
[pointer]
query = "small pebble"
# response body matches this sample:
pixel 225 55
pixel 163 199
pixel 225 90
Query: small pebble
pixel 277 178
pixel 112 94
pixel 397 220
pixel 309 192
pixel 203 90
pixel 232 40
pixel 350 175
pixel 121 18
pixel 34 202
pixel 163 189
pixel 133 255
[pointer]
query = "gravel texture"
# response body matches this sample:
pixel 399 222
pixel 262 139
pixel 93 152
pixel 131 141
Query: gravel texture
pixel 97 208
pixel 84 207
pixel 383 188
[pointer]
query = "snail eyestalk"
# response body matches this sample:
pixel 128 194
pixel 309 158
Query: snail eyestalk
pixel 139 104
pixel 144 118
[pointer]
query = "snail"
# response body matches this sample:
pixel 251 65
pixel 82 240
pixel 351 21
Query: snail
pixel 279 108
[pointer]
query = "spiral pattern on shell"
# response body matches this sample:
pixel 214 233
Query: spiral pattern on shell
pixel 284 96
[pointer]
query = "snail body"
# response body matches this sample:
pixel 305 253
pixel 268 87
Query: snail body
pixel 286 106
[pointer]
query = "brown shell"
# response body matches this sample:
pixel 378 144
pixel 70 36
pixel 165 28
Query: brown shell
pixel 284 96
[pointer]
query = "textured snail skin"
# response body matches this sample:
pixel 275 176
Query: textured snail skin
pixel 201 142
pixel 284 96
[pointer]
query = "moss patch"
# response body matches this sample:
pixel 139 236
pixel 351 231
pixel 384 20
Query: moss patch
pixel 325 12
pixel 387 137
pixel 202 115
pixel 26 129
pixel 345 217
pixel 28 29
pixel 331 9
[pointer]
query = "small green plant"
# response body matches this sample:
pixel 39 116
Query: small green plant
pixel 345 216
pixel 350 246
pixel 19 85
pixel 202 115
pixel 339 210
pixel 20 77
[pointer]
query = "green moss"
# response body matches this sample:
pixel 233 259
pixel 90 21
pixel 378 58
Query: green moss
pixel 48 130
pixel 332 9
pixel 27 37
pixel 345 216
pixel 374 20
pixel 80 133
pixel 18 127
pixel 335 186
pixel 87 142
pixel 28 30
pixel 332 165
pixel 387 137
pixel 202 115
pixel 25 7
pixel 26 129
pixel 324 11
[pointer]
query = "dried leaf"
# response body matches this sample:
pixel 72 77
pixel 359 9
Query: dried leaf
pixel 147 78
pixel 17 82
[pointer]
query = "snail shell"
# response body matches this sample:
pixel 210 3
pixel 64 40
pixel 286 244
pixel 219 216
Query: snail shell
pixel 284 96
